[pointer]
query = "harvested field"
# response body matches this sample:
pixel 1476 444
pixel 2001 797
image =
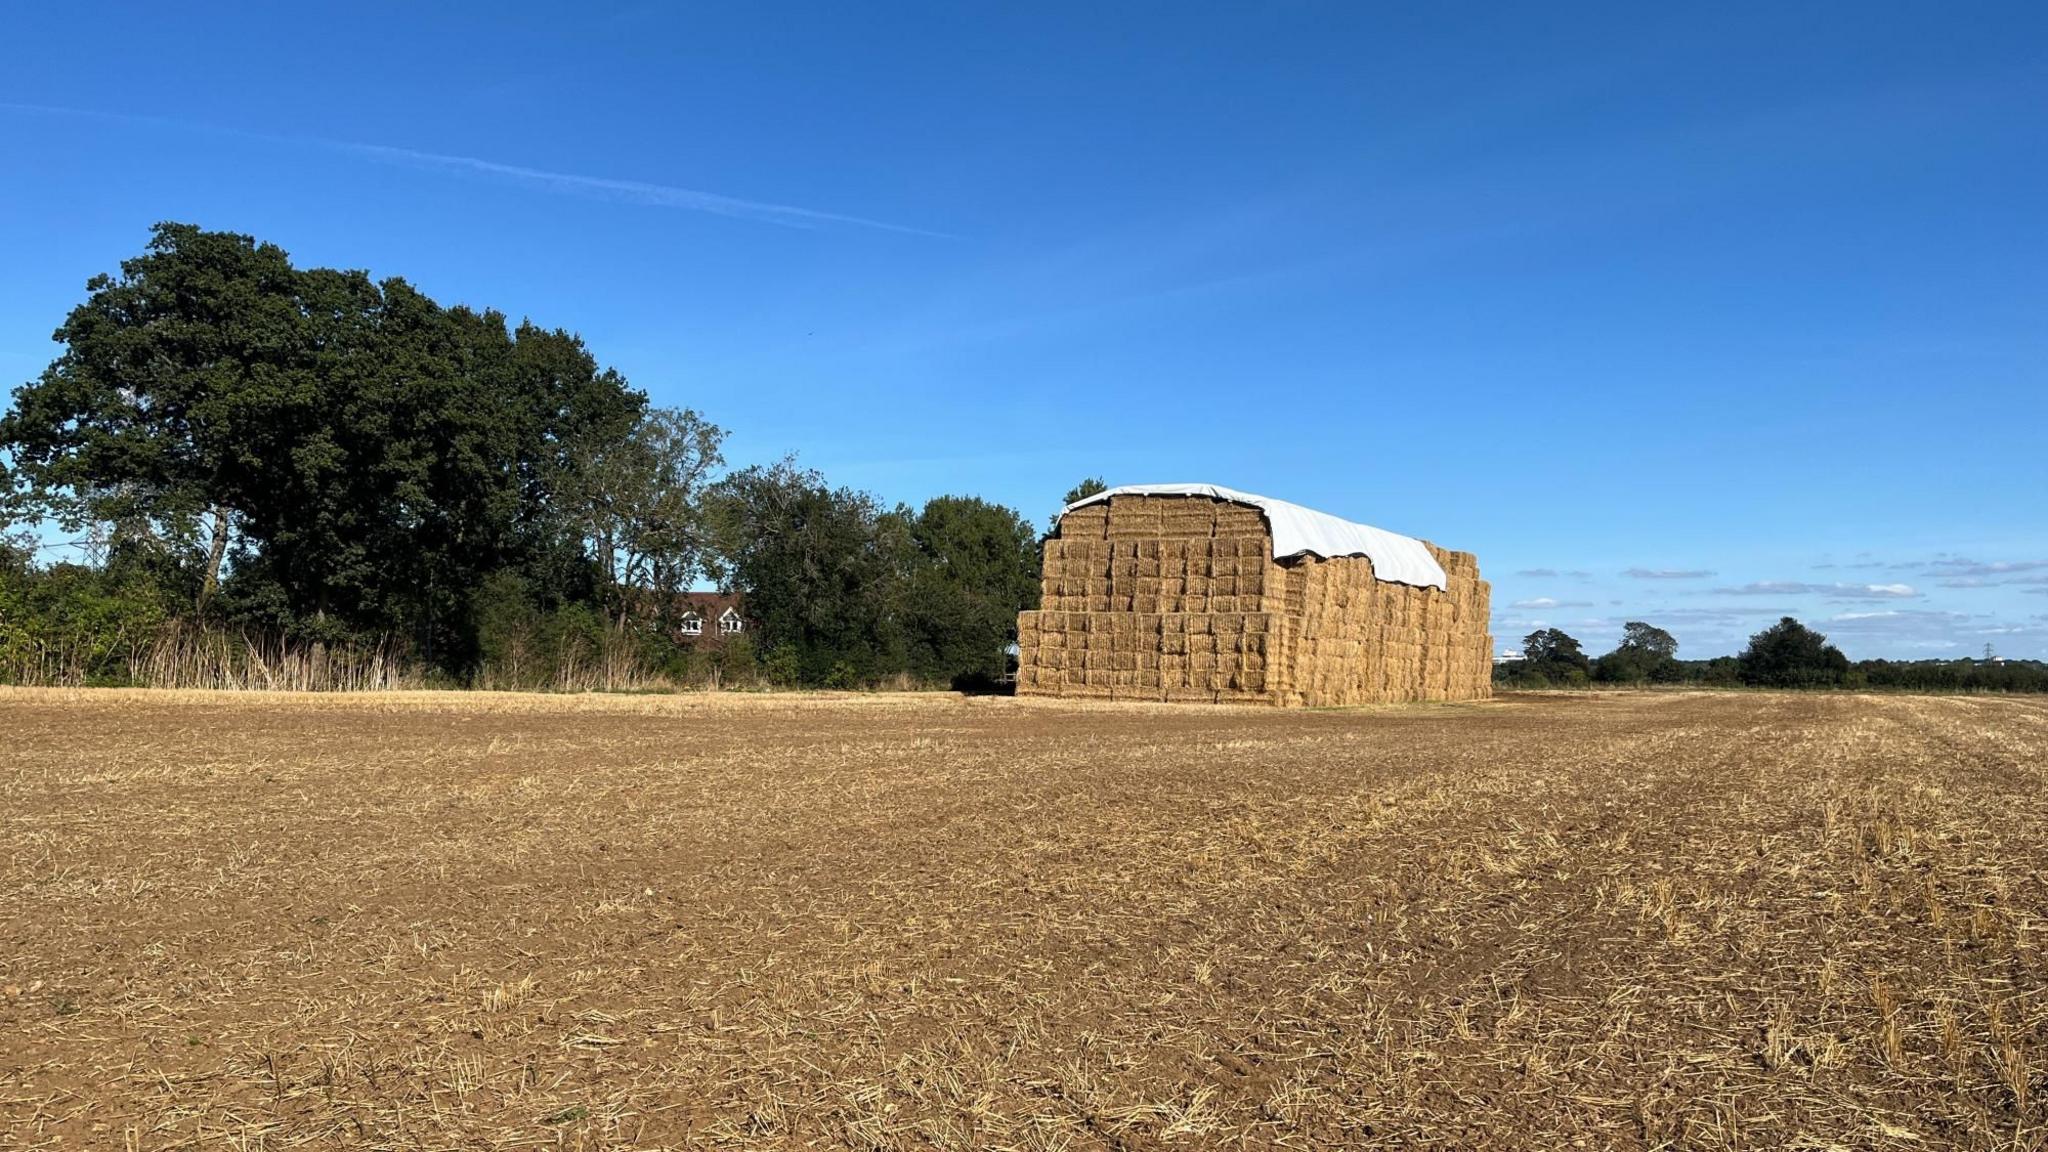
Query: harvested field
pixel 444 921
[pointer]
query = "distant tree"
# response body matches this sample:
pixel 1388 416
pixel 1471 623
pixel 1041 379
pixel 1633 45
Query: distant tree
pixel 1788 654
pixel 1086 488
pixel 1648 639
pixel 1965 675
pixel 1646 652
pixel 1551 644
pixel 1551 656
pixel 1722 671
pixel 1081 491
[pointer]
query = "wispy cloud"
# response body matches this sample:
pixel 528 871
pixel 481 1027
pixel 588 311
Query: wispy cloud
pixel 631 191
pixel 1872 591
pixel 1668 573
pixel 1713 615
pixel 1963 567
pixel 1835 591
pixel 564 183
pixel 1905 628
pixel 1959 572
pixel 1547 602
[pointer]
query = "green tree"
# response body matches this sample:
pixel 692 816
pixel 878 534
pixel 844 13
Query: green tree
pixel 72 623
pixel 972 567
pixel 1648 639
pixel 638 501
pixel 175 380
pixel 1788 654
pixel 1646 652
pixel 569 408
pixel 338 457
pixel 1552 656
pixel 1086 488
pixel 1081 491
pixel 809 560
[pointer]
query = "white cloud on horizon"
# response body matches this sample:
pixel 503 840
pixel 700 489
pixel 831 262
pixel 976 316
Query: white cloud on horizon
pixel 1898 629
pixel 1951 571
pixel 1836 591
pixel 1960 566
pixel 1669 573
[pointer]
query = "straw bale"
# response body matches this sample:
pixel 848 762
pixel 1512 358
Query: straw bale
pixel 1180 598
pixel 1239 520
pixel 1077 522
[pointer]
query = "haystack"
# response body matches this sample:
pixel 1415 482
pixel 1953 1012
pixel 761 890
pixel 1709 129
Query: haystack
pixel 1193 592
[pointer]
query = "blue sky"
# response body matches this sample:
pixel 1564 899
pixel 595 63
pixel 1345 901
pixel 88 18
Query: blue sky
pixel 1700 317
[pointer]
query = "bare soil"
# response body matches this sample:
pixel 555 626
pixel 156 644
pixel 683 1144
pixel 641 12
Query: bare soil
pixel 426 921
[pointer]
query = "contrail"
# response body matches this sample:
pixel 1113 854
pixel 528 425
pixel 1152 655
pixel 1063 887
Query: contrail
pixel 569 183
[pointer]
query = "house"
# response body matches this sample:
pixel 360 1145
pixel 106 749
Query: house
pixel 1195 592
pixel 709 619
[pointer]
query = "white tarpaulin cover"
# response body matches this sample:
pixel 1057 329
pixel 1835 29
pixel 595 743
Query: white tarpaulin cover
pixel 1396 559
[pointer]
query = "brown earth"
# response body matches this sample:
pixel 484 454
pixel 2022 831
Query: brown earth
pixel 469 921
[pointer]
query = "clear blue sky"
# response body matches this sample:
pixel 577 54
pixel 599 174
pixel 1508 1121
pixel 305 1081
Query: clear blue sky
pixel 1699 317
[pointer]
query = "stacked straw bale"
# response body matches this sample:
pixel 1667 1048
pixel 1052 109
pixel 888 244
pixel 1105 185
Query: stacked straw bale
pixel 1180 598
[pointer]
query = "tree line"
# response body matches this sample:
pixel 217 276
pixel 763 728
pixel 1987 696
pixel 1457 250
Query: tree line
pixel 257 466
pixel 1788 654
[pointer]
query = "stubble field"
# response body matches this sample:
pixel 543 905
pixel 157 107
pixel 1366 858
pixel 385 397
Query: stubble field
pixel 452 922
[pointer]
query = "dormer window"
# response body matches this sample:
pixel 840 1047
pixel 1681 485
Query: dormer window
pixel 692 625
pixel 730 623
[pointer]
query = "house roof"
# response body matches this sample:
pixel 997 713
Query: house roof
pixel 1297 531
pixel 711 605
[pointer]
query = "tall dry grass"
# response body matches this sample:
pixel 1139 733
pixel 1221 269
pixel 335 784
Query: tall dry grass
pixel 184 655
pixel 187 656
